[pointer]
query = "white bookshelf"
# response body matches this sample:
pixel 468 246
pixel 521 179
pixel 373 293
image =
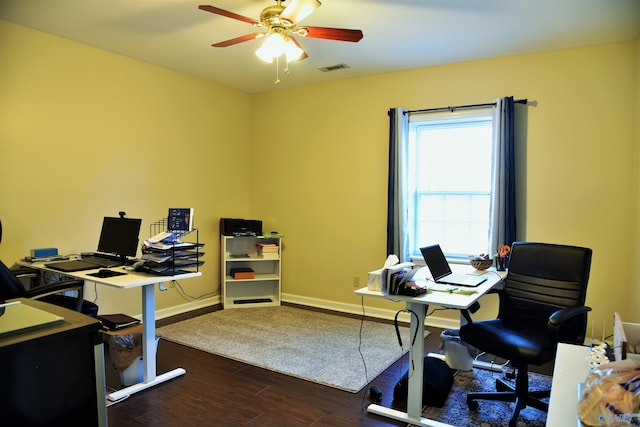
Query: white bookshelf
pixel 242 252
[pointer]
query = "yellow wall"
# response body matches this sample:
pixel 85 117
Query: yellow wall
pixel 328 190
pixel 315 169
pixel 85 133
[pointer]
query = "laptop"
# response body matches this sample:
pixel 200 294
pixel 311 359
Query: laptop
pixel 441 271
pixel 118 240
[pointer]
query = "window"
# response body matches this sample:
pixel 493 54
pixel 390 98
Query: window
pixel 449 181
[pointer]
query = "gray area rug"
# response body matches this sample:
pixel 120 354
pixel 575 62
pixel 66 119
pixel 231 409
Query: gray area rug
pixel 489 414
pixel 323 348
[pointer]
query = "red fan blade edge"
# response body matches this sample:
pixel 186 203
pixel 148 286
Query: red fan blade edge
pixel 228 14
pixel 237 40
pixel 340 34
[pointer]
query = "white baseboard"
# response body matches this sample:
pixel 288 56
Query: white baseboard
pixel 379 313
pixel 186 307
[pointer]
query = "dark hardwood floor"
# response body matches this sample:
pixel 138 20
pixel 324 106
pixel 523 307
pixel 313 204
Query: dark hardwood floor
pixel 221 392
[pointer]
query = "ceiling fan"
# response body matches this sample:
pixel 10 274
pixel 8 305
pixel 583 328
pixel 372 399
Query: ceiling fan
pixel 280 24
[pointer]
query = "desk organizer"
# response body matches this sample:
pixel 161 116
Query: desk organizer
pixel 172 255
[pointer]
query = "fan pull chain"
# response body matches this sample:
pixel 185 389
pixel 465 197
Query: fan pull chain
pixel 285 69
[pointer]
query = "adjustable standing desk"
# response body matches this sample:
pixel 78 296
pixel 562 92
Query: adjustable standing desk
pixel 134 280
pixel 419 306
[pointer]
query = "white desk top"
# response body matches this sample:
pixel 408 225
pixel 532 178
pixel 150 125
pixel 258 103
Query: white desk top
pixel 131 279
pixel 570 369
pixel 445 299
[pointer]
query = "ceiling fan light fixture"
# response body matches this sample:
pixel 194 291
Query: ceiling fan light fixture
pixel 277 44
pixel 272 47
pixel 292 51
pixel 281 24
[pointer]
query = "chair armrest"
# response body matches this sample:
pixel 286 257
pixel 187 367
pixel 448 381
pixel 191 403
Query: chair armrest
pixel 20 271
pixel 557 319
pixel 56 288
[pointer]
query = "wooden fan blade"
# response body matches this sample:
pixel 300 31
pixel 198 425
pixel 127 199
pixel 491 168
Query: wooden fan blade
pixel 228 14
pixel 297 10
pixel 340 34
pixel 237 40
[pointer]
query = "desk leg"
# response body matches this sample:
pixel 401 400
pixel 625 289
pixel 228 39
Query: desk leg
pixel 149 332
pixel 148 349
pixel 416 365
pixel 101 384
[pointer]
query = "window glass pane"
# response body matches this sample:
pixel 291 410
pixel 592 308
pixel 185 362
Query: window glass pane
pixel 450 177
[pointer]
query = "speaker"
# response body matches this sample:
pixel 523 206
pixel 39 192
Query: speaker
pixel 240 227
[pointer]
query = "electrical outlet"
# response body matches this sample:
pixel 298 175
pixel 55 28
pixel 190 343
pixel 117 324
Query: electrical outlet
pixel 356 282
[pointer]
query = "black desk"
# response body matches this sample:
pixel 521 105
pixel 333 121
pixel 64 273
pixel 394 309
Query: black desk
pixel 147 283
pixel 53 374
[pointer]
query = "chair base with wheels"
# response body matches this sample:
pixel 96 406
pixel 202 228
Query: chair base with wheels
pixel 520 395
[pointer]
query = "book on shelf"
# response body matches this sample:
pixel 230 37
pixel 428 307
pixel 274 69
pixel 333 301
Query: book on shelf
pixel 180 219
pixel 242 273
pixel 268 246
pixel 268 250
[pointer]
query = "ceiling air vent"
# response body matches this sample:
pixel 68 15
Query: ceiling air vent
pixel 334 67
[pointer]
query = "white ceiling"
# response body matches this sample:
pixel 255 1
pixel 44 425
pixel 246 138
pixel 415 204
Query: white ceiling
pixel 398 34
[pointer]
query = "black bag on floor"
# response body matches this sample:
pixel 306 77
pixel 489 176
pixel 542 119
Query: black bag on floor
pixel 437 383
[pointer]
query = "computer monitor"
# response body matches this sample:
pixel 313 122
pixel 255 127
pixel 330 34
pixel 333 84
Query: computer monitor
pixel 119 236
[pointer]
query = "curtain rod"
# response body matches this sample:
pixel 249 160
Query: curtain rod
pixel 463 107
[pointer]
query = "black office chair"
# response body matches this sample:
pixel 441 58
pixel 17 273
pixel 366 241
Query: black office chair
pixel 542 304
pixel 55 293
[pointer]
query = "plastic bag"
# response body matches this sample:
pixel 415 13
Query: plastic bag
pixel 124 350
pixel 611 395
